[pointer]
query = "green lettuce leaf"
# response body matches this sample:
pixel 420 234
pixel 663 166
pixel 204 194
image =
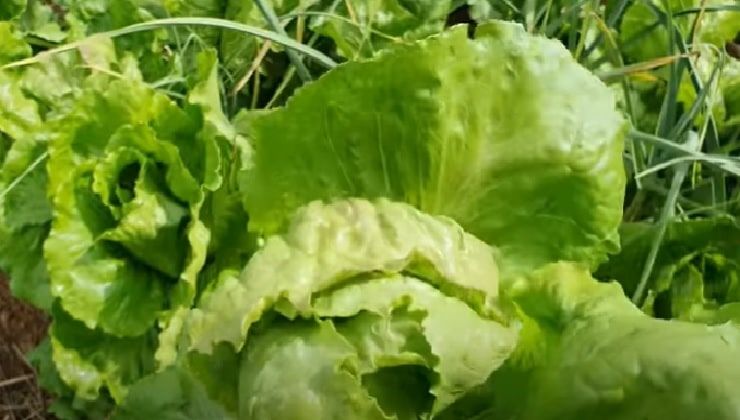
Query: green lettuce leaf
pixel 41 20
pixel 331 243
pixel 437 334
pixel 485 131
pixel 126 206
pixel 66 405
pixel 619 364
pixel 11 8
pixel 19 115
pixel 589 353
pixel 35 99
pixel 271 386
pixel 366 27
pixel 178 397
pixel 356 296
pixel 24 209
pixel 128 175
pixel 13 47
pixel 22 257
pixel 72 20
pixel 696 275
pixel 88 360
pixel 129 172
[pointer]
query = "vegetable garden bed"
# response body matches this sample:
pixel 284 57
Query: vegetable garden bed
pixel 345 209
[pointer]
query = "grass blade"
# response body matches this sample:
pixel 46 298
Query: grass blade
pixel 681 150
pixel 701 97
pixel 274 23
pixel 611 20
pixel 564 17
pixel 639 67
pixel 39 160
pixel 666 214
pixel 151 25
pixel 709 9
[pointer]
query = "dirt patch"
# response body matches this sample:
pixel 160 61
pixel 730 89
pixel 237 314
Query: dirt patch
pixel 21 328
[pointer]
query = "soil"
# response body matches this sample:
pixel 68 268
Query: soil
pixel 21 329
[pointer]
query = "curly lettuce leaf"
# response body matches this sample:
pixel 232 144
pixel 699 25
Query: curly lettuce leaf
pixel 126 201
pixel 485 131
pixel 19 116
pixel 128 175
pixel 270 387
pixel 89 360
pixel 66 405
pixel 129 172
pixel 392 287
pixel 35 98
pixel 329 244
pixel 24 208
pixel 65 20
pixel 438 334
pixel 25 212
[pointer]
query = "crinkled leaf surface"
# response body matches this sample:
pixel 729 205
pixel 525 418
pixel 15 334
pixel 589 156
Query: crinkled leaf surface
pixel 296 372
pixel 462 357
pixel 35 98
pixel 66 405
pixel 129 171
pixel 392 286
pixel 327 245
pixel 88 360
pixel 489 132
pixel 126 179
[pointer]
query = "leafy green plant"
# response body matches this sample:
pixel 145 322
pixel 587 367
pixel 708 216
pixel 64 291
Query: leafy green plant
pixel 407 229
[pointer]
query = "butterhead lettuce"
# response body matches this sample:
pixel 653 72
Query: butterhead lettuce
pixel 353 299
